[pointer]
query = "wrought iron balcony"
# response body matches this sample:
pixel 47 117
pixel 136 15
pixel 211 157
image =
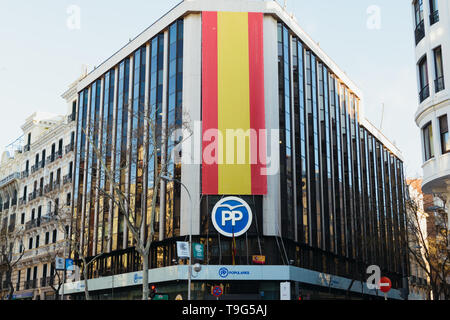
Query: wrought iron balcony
pixel 10 178
pixel 424 93
pixel 69 148
pixel 439 84
pixel 71 117
pixel 67 179
pixel 420 32
pixel 434 17
pixel 24 174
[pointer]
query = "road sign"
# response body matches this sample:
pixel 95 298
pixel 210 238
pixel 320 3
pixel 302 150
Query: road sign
pixel 160 297
pixel 232 217
pixel 183 250
pixel 285 291
pixel 198 250
pixel 385 284
pixel 69 265
pixel 217 291
pixel 59 263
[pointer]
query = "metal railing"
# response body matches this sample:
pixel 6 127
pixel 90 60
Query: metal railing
pixel 420 32
pixel 15 175
pixel 67 179
pixel 434 17
pixel 424 93
pixel 439 84
pixel 70 148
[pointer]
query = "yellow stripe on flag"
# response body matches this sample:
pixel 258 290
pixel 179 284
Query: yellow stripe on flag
pixel 233 101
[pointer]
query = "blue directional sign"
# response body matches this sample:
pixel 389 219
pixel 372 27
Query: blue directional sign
pixel 232 216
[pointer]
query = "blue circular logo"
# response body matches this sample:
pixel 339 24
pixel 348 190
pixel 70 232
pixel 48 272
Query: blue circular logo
pixel 223 272
pixel 232 216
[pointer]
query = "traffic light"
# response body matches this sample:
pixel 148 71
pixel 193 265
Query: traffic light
pixel 152 292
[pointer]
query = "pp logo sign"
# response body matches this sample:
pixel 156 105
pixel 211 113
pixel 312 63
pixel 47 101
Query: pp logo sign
pixel 232 216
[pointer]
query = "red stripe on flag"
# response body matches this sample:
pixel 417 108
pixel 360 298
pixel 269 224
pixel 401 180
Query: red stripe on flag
pixel 257 101
pixel 210 172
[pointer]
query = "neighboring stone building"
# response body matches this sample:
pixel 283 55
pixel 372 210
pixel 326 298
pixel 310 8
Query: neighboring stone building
pixel 35 183
pixel 418 287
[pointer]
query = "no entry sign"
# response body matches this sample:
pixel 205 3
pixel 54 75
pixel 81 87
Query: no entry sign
pixel 217 291
pixel 385 284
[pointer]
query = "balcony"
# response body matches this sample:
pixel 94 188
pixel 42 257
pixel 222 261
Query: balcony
pixel 14 202
pixel 420 32
pixel 69 148
pixel 27 148
pixel 22 200
pixel 72 117
pixel 48 188
pixel 67 179
pixel 30 284
pixel 439 84
pixel 6 206
pixel 434 17
pixel 33 224
pixel 424 93
pixel 47 282
pixel 24 174
pixel 11 228
pixel 32 195
pixel 34 168
pixel 9 179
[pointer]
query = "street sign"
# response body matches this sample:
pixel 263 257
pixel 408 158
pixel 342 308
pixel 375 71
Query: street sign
pixel 69 265
pixel 160 297
pixel 285 291
pixel 385 284
pixel 198 250
pixel 232 217
pixel 217 291
pixel 183 251
pixel 59 263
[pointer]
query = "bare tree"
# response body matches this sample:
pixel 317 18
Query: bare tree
pixel 428 244
pixel 8 258
pixel 154 145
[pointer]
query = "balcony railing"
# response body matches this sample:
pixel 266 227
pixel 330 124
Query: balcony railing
pixel 434 17
pixel 33 224
pixel 34 168
pixel 32 195
pixel 439 84
pixel 27 148
pixel 11 228
pixel 48 188
pixel 424 93
pixel 14 202
pixel 420 32
pixel 10 178
pixel 69 148
pixel 6 206
pixel 30 284
pixel 47 282
pixel 71 117
pixel 22 200
pixel 24 174
pixel 67 179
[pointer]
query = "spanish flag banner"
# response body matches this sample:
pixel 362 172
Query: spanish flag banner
pixel 233 106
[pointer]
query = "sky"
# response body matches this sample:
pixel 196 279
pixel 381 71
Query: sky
pixel 43 46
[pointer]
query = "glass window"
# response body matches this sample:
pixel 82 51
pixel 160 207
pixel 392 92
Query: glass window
pixel 423 79
pixel 428 141
pixel 439 70
pixel 434 12
pixel 443 127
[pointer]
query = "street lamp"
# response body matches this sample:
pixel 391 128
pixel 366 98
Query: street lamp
pixel 190 230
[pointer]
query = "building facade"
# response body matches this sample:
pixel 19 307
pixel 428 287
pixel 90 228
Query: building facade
pixel 35 186
pixel 324 187
pixel 431 19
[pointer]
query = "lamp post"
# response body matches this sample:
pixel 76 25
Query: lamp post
pixel 190 231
